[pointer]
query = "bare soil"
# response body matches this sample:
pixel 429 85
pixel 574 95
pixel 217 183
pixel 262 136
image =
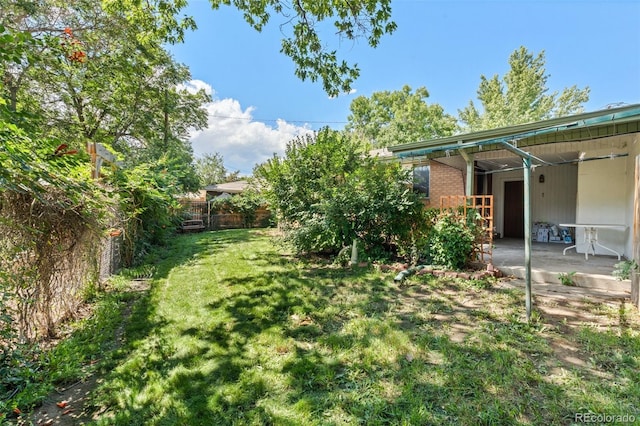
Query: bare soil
pixel 70 405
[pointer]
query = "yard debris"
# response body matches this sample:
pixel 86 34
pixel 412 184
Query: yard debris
pixel 401 276
pixel 403 271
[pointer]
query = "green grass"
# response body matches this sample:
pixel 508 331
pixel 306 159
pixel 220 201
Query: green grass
pixel 235 331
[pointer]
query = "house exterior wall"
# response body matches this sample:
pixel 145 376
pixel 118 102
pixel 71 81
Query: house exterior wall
pixel 634 152
pixel 553 201
pixel 603 193
pixel 444 180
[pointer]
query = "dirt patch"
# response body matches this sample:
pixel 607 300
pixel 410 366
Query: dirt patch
pixel 70 405
pixel 67 406
pixel 561 316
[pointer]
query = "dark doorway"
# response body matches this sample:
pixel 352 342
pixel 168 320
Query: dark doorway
pixel 514 209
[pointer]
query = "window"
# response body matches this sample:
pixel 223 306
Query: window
pixel 421 180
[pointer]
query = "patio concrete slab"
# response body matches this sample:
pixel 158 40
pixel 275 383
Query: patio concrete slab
pixel 548 262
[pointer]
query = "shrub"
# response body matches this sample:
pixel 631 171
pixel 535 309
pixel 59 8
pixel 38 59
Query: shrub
pixel 451 241
pixel 327 193
pixel 51 216
pixel 145 195
pixel 247 204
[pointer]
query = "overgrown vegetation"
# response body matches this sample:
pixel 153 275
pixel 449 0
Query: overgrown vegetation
pixel 246 204
pixel 54 98
pixel 30 374
pixel 326 192
pixel 78 73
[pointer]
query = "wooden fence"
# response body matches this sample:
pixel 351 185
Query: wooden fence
pixel 213 220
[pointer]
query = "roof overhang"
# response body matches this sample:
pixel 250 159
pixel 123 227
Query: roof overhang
pixel 516 139
pixel 228 187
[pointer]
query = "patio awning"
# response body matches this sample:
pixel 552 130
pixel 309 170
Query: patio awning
pixel 520 136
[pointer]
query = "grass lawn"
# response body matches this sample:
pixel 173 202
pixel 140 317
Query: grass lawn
pixel 235 331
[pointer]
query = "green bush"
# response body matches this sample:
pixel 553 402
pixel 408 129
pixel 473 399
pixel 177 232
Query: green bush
pixel 146 198
pixel 419 248
pixel 246 204
pixel 49 212
pixel 327 192
pixel 451 241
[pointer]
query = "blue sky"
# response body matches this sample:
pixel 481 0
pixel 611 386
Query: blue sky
pixel 444 46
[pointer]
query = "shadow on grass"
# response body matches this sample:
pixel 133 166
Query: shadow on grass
pixel 293 343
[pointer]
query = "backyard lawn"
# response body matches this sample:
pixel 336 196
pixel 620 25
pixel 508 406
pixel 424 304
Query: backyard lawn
pixel 234 330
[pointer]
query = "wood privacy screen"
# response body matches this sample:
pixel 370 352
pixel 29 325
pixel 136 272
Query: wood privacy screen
pixel 483 204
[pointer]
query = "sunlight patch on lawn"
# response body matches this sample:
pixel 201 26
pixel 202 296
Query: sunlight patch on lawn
pixel 235 332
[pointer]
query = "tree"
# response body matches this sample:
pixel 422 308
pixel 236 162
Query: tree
pixel 521 96
pixel 300 22
pixel 327 192
pixel 98 78
pixel 211 170
pixel 391 118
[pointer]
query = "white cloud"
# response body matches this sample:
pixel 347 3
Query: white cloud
pixel 194 86
pixel 240 140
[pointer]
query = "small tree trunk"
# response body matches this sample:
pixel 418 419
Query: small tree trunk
pixel 354 252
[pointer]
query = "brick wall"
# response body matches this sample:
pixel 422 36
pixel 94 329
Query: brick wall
pixel 444 180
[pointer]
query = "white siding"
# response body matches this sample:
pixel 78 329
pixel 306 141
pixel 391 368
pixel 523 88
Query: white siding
pixel 553 201
pixel 634 151
pixel 603 196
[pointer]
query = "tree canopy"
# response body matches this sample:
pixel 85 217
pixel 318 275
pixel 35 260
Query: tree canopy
pixel 211 170
pixel 94 77
pixel 305 25
pixel 302 22
pixel 520 96
pixel 392 118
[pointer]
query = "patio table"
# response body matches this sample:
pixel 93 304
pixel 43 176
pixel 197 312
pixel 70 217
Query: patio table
pixel 591 236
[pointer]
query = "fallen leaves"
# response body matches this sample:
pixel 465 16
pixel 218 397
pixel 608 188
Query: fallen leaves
pixel 64 405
